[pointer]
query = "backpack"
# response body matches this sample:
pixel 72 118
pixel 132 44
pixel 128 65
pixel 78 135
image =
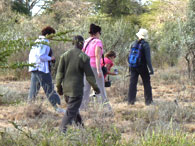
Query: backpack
pixel 135 55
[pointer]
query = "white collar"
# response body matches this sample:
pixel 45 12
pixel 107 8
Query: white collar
pixel 42 37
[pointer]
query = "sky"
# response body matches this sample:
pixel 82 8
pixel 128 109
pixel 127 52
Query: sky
pixel 37 8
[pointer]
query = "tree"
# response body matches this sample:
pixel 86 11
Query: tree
pixel 13 40
pixel 117 8
pixel 26 6
pixel 189 39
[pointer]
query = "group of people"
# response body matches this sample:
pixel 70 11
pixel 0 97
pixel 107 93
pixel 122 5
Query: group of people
pixel 80 69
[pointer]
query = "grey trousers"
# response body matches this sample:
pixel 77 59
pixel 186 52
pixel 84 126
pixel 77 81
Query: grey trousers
pixel 72 113
pixel 45 81
pixel 87 88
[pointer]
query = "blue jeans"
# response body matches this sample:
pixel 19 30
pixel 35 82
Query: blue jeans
pixel 45 81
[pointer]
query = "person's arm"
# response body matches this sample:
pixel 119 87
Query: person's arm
pixel 108 71
pixel 148 57
pixel 60 75
pixel 98 57
pixel 43 53
pixel 89 75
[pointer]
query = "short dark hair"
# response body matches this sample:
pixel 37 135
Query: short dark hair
pixel 48 30
pixel 94 29
pixel 110 54
pixel 78 41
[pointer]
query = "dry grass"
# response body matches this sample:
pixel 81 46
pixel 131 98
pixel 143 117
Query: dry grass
pixel 173 109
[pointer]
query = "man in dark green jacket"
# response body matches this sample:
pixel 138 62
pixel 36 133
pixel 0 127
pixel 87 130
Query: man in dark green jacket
pixel 72 67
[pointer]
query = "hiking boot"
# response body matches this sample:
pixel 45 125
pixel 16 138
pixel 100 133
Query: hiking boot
pixel 131 102
pixel 147 103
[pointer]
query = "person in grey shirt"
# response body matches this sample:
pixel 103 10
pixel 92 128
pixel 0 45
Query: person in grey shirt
pixel 141 70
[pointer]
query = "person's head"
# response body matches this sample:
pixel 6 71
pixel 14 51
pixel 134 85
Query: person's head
pixel 78 41
pixel 142 34
pixel 95 30
pixel 47 31
pixel 111 55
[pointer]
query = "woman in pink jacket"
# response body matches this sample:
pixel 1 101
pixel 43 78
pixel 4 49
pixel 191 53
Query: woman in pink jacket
pixel 93 47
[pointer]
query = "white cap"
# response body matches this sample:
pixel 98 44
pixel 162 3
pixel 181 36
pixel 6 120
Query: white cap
pixel 142 34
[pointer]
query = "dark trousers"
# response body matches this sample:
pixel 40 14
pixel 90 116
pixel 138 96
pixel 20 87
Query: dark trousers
pixel 72 113
pixel 144 73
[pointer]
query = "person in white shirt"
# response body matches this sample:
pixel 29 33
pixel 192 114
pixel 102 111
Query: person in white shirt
pixel 40 55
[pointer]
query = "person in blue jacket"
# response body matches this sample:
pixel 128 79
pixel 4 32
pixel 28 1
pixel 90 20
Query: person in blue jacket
pixel 141 70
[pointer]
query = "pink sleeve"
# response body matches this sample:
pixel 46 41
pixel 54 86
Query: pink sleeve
pixel 98 43
pixel 108 61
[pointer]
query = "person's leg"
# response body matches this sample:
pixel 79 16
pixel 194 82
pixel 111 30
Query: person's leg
pixel 71 112
pixel 147 86
pixel 34 87
pixel 133 86
pixel 86 93
pixel 78 119
pixel 38 86
pixel 46 82
pixel 101 85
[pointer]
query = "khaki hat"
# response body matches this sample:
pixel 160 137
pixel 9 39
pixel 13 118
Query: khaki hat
pixel 142 34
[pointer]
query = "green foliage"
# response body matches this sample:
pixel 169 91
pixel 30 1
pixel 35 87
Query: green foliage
pixel 148 18
pixel 74 136
pixel 118 8
pixel 9 97
pixel 117 36
pixel 189 39
pixel 91 137
pixel 11 44
pixel 26 6
pixel 20 7
pixel 167 44
pixel 169 36
pixel 167 139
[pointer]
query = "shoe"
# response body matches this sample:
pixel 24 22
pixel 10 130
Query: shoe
pixel 60 110
pixel 148 103
pixel 92 95
pixel 131 102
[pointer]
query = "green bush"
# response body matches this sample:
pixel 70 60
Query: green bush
pixel 167 139
pixel 73 136
pixel 8 96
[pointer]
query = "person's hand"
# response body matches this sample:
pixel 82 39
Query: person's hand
pixel 116 72
pixel 99 73
pixel 53 58
pixel 97 90
pixel 60 90
pixel 151 72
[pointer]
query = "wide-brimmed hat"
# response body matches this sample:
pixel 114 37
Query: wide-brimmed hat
pixel 142 34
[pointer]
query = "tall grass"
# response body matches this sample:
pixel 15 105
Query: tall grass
pixel 76 136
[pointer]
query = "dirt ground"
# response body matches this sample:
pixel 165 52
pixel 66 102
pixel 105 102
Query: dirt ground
pixel 34 115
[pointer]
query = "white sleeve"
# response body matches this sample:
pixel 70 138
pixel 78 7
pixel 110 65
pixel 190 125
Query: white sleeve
pixel 43 54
